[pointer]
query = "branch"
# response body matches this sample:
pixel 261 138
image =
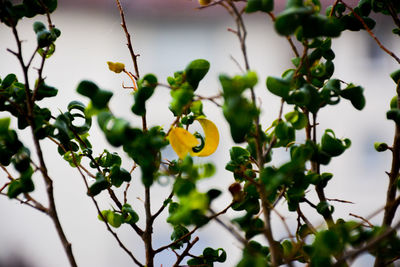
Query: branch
pixel 128 38
pixel 354 253
pixel 52 211
pixel 186 251
pixel 390 53
pixel 162 207
pixel 104 219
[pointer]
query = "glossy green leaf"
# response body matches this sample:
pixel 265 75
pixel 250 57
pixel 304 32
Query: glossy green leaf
pixel 380 147
pixel 278 86
pixel 119 175
pixel 99 185
pixel 130 216
pixel 195 72
pixel 333 146
pixel 145 90
pixel 259 5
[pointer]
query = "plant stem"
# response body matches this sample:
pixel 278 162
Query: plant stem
pixel 52 211
pixel 147 235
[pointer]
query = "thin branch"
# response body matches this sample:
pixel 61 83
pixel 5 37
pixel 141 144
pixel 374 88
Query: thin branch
pixel 215 215
pixel 372 243
pixel 25 202
pixel 128 38
pixel 164 205
pixel 186 251
pixel 104 219
pixel 362 219
pixel 390 53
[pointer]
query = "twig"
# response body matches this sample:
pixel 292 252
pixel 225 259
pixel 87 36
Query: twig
pixel 52 211
pixel 361 218
pixel 164 205
pixel 215 215
pixel 340 200
pixel 105 220
pixel 372 243
pixel 390 53
pixel 128 38
pixel 288 38
pixel 186 251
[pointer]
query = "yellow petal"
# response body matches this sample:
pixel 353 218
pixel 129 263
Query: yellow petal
pixel 116 67
pixel 182 141
pixel 211 138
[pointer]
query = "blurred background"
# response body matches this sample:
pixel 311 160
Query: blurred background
pixel 168 34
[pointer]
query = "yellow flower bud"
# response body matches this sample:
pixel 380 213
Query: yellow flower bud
pixel 116 67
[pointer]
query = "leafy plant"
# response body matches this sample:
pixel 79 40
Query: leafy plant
pixel 258 185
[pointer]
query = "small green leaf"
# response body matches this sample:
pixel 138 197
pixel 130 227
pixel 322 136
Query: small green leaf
pixel 278 86
pixel 119 175
pixel 132 217
pixel 259 5
pixel 195 72
pixel 99 185
pixel 380 147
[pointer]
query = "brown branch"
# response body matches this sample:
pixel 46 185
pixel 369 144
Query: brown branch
pixel 128 38
pixel 390 53
pixel 215 215
pixel 186 251
pixel 25 202
pixel 52 211
pixel 288 38
pixel 164 205
pixel 362 219
pixel 147 235
pixel 104 219
pixel 372 243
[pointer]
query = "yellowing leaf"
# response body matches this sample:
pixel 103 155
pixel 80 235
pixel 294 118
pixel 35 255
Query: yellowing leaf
pixel 211 138
pixel 116 67
pixel 183 141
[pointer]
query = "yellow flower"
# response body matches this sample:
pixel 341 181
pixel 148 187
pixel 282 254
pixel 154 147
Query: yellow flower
pixel 116 67
pixel 183 142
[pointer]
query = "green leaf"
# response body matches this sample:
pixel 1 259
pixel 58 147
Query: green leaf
pixel 119 175
pixel 380 147
pixel 145 90
pixel 395 76
pixel 4 125
pixel 87 88
pixel 181 99
pixel 38 26
pixel 80 107
pixel 99 185
pixel 9 80
pixel 179 232
pixel 278 86
pixel 130 215
pixel 393 114
pixel 355 95
pixel 259 5
pixel 195 72
pixel 333 146
pixel 113 218
pixel 324 208
pixel 290 19
pixel 45 91
pixel 99 98
pixel 14 189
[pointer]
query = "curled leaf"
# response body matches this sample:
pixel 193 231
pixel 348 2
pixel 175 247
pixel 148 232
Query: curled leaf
pixel 183 141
